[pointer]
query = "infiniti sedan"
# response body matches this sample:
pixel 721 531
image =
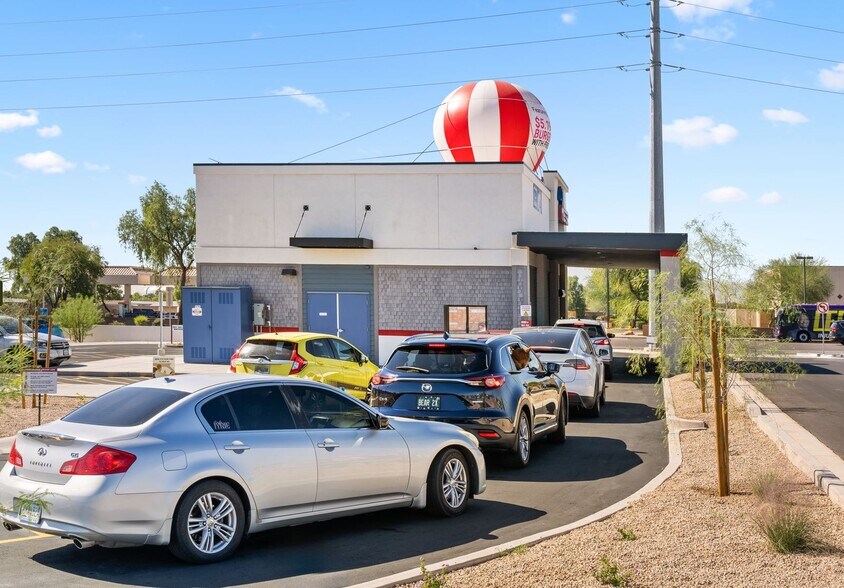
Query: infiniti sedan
pixel 197 462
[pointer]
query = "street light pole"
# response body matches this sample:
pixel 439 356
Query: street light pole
pixel 804 258
pixel 657 216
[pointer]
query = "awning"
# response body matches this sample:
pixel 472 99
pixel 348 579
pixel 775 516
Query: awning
pixel 635 250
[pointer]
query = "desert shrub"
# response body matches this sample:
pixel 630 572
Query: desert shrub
pixel 786 528
pixel 77 316
pixel 141 320
pixel 769 487
pixel 609 574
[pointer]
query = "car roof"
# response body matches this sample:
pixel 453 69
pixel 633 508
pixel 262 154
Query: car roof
pixel 573 321
pixel 290 336
pixel 518 330
pixel 192 383
pixel 462 338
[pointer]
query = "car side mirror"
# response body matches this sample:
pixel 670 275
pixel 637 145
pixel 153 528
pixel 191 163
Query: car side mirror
pixel 552 367
pixel 362 359
pixel 382 421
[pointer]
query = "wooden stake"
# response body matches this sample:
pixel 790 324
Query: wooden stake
pixel 701 367
pixel 49 350
pixel 722 458
pixel 726 397
pixel 34 352
pixel 20 358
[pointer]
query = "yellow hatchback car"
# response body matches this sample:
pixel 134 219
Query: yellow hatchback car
pixel 311 356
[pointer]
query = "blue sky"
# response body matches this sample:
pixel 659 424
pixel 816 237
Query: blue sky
pixel 766 158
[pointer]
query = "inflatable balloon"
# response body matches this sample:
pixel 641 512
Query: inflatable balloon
pixel 492 120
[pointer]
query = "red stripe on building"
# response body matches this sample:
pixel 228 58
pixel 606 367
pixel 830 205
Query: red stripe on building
pixel 515 122
pixel 669 253
pixel 456 124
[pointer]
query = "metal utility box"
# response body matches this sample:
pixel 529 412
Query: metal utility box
pixel 258 314
pixel 216 322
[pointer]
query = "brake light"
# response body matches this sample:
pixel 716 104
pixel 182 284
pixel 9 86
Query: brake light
pixel 577 364
pixel 437 345
pixel 15 458
pixel 488 435
pixel 601 342
pixel 234 357
pixel 99 461
pixel 489 381
pixel 378 379
pixel 299 362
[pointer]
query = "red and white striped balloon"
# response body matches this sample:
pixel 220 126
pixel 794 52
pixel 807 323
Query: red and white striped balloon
pixel 492 120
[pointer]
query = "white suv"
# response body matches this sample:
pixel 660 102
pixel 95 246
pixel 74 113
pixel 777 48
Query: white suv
pixel 600 339
pixel 10 339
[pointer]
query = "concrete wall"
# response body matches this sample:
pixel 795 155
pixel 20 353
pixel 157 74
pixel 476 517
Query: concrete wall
pixel 268 287
pixel 112 333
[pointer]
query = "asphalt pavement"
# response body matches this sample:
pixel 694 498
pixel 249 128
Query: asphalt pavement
pixel 603 461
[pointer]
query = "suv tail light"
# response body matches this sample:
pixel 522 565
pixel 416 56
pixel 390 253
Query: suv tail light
pixel 299 362
pixel 378 379
pixel 601 342
pixel 99 461
pixel 488 381
pixel 15 458
pixel 577 364
pixel 235 355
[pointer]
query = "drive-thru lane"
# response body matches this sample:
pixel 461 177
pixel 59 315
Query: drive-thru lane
pixel 602 462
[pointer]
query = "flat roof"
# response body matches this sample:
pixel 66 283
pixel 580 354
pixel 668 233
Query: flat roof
pixel 633 250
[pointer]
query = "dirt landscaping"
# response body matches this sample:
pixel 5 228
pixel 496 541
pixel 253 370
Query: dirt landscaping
pixel 682 534
pixel 14 418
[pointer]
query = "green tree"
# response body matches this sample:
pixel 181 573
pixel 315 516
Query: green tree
pixel 19 247
pixel 780 283
pixel 163 232
pixel 77 316
pixel 576 297
pixel 59 267
pixel 105 293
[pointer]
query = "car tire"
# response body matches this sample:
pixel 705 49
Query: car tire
pixel 449 484
pixel 595 411
pixel 804 337
pixel 607 372
pixel 520 453
pixel 559 434
pixel 208 542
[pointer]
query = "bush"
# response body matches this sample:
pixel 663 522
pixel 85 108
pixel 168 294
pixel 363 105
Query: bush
pixel 769 487
pixel 141 320
pixel 77 316
pixel 786 528
pixel 610 574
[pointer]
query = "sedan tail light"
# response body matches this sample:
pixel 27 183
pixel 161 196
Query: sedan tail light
pixel 601 342
pixel 488 381
pixel 99 461
pixel 15 458
pixel 379 379
pixel 577 364
pixel 299 362
pixel 234 357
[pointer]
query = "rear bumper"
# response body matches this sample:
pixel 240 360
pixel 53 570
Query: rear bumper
pixel 88 508
pixel 490 424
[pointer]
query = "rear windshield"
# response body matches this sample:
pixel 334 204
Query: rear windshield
pixel 549 339
pixel 125 407
pixel 453 359
pixel 594 331
pixel 267 349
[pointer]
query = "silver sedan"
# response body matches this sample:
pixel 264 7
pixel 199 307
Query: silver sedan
pixel 197 462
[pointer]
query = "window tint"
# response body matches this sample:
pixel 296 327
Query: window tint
pixel 344 351
pixel 267 349
pixel 451 359
pixel 534 365
pixel 588 347
pixel 319 348
pixel 324 409
pixel 543 340
pixel 218 414
pixel 125 407
pixel 506 360
pixel 259 408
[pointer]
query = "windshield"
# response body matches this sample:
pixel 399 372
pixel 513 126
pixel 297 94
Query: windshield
pixel 560 339
pixel 125 407
pixel 10 325
pixel 427 359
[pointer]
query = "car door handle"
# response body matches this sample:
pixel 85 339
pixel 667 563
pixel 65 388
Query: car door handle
pixel 328 444
pixel 237 446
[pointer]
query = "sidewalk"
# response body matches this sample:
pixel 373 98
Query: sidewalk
pixel 139 366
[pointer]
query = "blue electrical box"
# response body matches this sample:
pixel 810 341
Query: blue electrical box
pixel 216 322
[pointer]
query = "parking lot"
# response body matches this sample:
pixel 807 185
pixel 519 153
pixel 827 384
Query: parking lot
pixel 602 462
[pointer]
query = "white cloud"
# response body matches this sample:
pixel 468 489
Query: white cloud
pixel 700 9
pixel 308 100
pixel 832 78
pixel 568 18
pixel 769 198
pixel 698 131
pixel 136 179
pixel 722 32
pixel 49 132
pixel 9 121
pixel 96 166
pixel 784 115
pixel 47 162
pixel 726 194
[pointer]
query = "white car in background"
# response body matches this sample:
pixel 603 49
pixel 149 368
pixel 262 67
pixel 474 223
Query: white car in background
pixel 600 339
pixel 580 367
pixel 10 339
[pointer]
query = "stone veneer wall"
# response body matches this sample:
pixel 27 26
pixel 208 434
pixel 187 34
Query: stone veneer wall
pixel 413 298
pixel 267 283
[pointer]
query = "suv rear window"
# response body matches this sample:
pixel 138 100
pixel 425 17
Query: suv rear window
pixel 594 331
pixel 561 339
pixel 267 349
pixel 125 407
pixel 427 359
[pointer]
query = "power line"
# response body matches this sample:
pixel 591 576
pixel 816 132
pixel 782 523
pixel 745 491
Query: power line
pixel 757 17
pixel 320 93
pixel 764 49
pixel 312 34
pixel 757 80
pixel 159 14
pixel 321 61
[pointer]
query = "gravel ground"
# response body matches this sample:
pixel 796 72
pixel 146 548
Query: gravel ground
pixel 685 534
pixel 14 418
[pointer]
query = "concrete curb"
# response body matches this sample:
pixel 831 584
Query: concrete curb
pixel 819 463
pixel 675 458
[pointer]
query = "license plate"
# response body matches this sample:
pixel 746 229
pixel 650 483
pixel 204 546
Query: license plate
pixel 428 402
pixel 261 369
pixel 30 513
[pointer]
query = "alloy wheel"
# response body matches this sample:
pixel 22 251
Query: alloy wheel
pixel 212 522
pixel 524 438
pixel 454 483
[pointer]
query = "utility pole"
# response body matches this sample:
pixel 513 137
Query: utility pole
pixel 657 217
pixel 804 258
pixel 608 299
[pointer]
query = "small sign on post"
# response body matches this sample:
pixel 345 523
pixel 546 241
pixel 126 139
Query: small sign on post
pixel 40 381
pixel 823 308
pixel 163 366
pixel 525 312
